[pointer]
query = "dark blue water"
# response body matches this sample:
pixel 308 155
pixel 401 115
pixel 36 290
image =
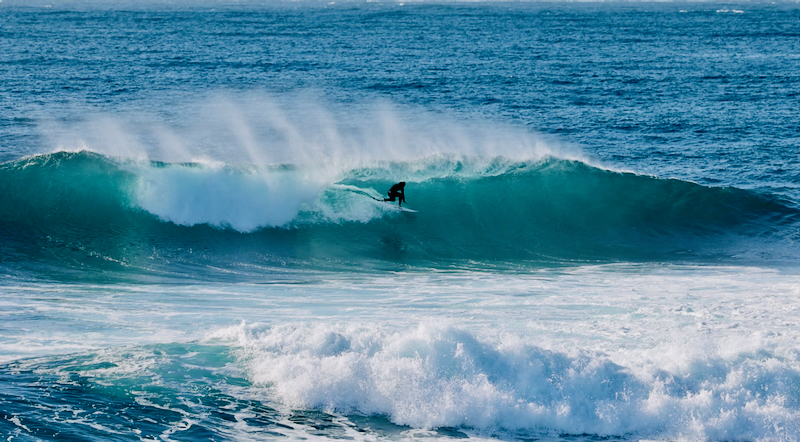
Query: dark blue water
pixel 604 245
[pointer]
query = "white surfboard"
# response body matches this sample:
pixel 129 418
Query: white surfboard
pixel 371 193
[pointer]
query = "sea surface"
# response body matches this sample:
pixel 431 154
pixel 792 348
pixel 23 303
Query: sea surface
pixel 606 243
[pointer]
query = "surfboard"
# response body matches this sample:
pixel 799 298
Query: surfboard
pixel 394 207
pixel 370 194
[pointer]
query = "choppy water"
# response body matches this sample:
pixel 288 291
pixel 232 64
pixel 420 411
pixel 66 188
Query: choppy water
pixel 604 248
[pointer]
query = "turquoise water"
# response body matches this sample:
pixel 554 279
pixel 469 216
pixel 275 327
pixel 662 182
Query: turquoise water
pixel 604 245
pixel 138 217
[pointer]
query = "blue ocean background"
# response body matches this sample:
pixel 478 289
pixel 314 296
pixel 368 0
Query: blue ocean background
pixel 605 242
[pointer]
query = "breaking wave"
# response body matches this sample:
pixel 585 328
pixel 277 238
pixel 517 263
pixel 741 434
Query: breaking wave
pixel 87 209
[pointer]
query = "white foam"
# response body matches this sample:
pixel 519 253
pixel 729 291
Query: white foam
pixel 243 199
pixel 434 376
pixel 647 351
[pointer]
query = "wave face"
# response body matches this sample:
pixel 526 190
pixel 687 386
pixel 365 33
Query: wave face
pixel 86 209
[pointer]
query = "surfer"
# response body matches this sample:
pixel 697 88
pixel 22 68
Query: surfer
pixel 397 191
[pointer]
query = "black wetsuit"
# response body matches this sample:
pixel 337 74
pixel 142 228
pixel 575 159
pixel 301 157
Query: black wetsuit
pixel 397 192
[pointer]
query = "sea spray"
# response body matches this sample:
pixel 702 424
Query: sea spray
pixel 258 128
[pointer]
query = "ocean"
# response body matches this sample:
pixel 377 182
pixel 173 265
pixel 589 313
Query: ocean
pixel 603 244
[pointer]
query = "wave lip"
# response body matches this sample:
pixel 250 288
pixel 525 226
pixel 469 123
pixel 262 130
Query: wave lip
pixel 440 376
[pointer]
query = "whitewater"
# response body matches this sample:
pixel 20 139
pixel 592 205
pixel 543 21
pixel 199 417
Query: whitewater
pixel 193 244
